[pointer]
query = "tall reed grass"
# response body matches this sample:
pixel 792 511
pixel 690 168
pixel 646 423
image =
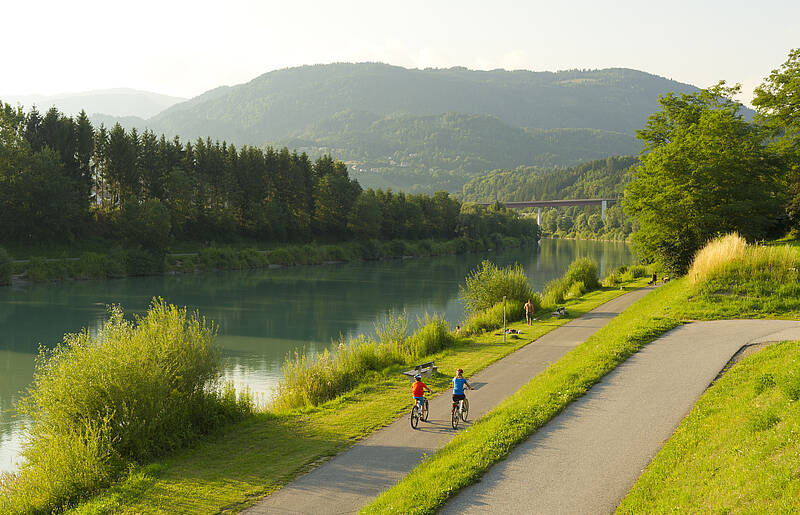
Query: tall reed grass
pixel 581 277
pixel 309 379
pixel 747 280
pixel 98 403
pixel 718 254
pixel 730 258
pixel 492 318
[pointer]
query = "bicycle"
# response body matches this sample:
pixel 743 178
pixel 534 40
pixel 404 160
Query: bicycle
pixel 419 413
pixel 459 412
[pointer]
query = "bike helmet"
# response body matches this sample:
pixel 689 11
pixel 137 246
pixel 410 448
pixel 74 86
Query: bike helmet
pixel 460 371
pixel 417 377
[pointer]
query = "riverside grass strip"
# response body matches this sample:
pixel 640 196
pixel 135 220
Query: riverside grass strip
pixel 247 461
pixel 739 290
pixel 737 451
pixel 463 461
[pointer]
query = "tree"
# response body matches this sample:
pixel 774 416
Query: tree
pixel 777 101
pixel 705 170
pixel 334 196
pixel 365 218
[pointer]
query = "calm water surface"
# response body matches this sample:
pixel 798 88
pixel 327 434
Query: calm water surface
pixel 262 315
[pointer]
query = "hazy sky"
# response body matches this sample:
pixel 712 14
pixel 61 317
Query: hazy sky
pixel 185 48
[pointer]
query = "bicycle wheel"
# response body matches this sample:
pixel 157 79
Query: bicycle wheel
pixel 423 414
pixel 465 410
pixel 414 416
pixel 454 417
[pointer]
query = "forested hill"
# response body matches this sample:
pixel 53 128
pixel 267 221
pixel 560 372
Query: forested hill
pixel 442 152
pixel 284 102
pixel 596 179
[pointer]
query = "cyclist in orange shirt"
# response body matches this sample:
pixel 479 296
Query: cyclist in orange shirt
pixel 418 390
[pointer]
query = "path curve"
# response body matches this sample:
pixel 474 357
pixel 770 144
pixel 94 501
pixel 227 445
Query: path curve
pixel 587 459
pixel 354 478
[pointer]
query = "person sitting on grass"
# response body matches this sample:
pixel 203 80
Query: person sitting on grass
pixel 418 390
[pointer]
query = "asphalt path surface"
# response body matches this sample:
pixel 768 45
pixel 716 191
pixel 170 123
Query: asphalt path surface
pixel 586 460
pixel 352 479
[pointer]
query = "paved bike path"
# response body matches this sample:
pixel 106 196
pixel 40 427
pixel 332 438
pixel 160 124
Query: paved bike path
pixel 352 479
pixel 587 459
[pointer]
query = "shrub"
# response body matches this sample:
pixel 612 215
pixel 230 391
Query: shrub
pixel 280 256
pixel 91 265
pixel 6 267
pixel 576 289
pixel 146 225
pixel 214 258
pixel 39 270
pixel 139 261
pixel 487 285
pixel 611 280
pixel 129 393
pixel 585 270
pixel 636 271
pixel 555 291
pixel 395 248
pixel 251 258
pixel 334 253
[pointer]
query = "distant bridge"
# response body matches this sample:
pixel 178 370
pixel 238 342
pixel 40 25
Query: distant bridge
pixel 603 202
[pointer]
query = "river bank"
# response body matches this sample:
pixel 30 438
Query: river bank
pixel 121 262
pixel 251 459
pixel 263 315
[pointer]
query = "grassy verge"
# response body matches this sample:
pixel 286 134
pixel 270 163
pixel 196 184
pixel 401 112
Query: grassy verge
pixel 250 459
pixel 728 280
pixel 462 461
pixel 737 451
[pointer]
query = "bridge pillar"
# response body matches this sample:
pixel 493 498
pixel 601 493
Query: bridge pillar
pixel 603 210
pixel 539 218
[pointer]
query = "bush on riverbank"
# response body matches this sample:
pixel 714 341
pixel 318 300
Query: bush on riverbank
pixel 488 284
pixel 6 267
pixel 134 391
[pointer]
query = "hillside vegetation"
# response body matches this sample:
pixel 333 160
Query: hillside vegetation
pixel 604 178
pixel 443 152
pixel 426 130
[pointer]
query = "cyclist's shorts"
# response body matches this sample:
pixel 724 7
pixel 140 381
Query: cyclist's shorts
pixel 459 397
pixel 419 400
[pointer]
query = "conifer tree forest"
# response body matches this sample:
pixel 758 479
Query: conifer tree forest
pixel 61 179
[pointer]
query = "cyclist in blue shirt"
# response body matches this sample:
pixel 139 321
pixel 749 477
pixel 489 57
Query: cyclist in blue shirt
pixel 458 386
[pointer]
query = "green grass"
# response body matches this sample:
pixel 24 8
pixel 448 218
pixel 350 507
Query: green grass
pixel 738 450
pixel 102 402
pixel 463 460
pixel 730 293
pixel 248 460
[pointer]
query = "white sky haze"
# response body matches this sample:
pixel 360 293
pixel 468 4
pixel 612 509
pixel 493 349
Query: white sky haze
pixel 185 48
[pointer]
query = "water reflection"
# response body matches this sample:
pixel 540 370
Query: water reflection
pixel 262 315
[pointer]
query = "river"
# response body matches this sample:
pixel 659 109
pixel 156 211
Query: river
pixel 262 315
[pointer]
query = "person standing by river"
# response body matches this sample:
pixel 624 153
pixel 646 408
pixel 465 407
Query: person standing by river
pixel 529 309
